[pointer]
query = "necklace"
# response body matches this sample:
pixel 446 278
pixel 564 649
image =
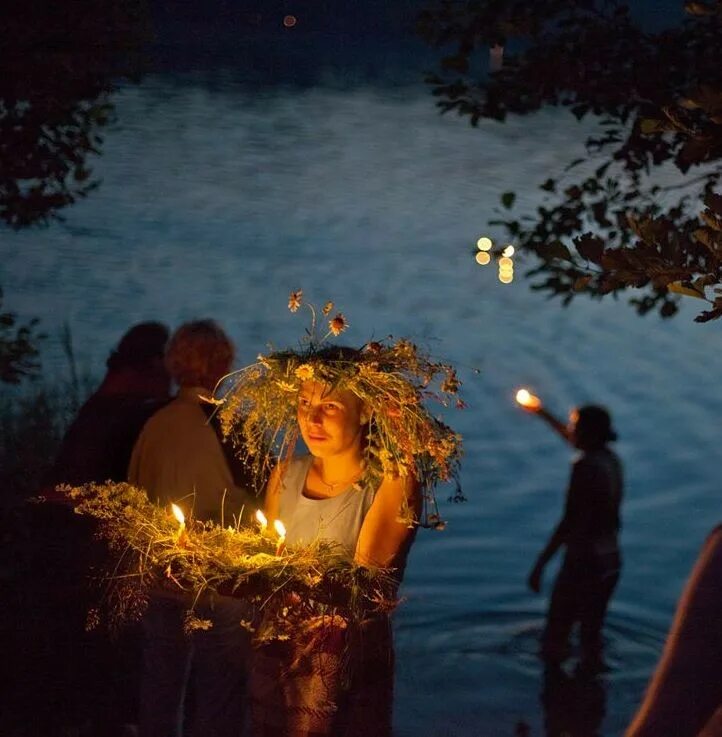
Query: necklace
pixel 332 486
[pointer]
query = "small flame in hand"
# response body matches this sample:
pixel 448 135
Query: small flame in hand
pixel 526 399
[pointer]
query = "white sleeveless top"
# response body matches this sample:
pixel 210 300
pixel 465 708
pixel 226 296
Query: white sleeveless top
pixel 337 518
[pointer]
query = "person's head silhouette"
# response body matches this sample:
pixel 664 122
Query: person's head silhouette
pixel 591 427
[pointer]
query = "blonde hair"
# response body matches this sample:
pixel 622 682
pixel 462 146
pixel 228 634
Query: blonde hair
pixel 199 353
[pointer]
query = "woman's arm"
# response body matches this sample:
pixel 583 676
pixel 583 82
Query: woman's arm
pixel 686 689
pixel 385 535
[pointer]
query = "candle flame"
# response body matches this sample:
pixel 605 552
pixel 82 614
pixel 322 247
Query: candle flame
pixel 280 528
pixel 526 399
pixel 178 514
pixel 261 519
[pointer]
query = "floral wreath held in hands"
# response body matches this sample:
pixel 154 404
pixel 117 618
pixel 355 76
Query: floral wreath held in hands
pixel 393 379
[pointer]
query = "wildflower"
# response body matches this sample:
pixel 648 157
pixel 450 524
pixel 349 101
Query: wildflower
pixel 304 372
pixel 451 384
pixel 327 307
pixel 405 349
pixel 210 400
pixel 92 620
pixel 338 324
pixel 386 459
pixel 287 386
pixel 369 370
pixel 294 301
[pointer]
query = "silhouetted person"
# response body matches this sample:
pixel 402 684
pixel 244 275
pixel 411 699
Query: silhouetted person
pixel 98 443
pixel 684 696
pixel 86 680
pixel 588 531
pixel 192 685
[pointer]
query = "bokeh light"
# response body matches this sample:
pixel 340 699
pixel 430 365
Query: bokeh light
pixel 290 21
pixel 508 251
pixel 505 263
pixel 482 258
pixel 484 244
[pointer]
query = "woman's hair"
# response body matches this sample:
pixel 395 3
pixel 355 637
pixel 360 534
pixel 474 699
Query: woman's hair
pixel 199 354
pixel 140 347
pixel 594 426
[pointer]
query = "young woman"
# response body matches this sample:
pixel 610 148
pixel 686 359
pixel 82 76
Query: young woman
pixel 318 497
pixel 374 455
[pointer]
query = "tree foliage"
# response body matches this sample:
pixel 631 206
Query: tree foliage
pixel 18 348
pixel 644 213
pixel 60 62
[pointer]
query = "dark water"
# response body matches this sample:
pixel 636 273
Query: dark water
pixel 218 202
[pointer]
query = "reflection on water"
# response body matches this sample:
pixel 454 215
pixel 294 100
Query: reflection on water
pixel 573 704
pixel 218 203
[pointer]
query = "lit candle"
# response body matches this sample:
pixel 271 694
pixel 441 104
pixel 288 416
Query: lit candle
pixel 281 530
pixel 262 521
pixel 528 400
pixel 178 514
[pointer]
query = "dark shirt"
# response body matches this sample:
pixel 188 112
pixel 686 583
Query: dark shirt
pixel 98 444
pixel 591 519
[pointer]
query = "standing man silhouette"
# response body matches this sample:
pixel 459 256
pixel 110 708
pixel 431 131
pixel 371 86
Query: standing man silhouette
pixel 588 530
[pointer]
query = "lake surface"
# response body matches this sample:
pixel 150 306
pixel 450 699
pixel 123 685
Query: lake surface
pixel 218 201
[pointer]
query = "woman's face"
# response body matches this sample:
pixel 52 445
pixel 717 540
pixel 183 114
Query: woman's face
pixel 330 419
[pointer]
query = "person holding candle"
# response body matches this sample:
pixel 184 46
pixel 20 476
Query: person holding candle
pixel 588 531
pixel 372 446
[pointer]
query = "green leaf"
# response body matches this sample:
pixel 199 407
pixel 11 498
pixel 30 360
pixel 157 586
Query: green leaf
pixel 581 283
pixel 706 237
pixel 590 247
pixel 556 249
pixel 714 202
pixel 507 199
pixel 548 186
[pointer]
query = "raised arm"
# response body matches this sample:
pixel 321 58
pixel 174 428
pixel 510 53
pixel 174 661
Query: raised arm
pixel 556 424
pixel 385 534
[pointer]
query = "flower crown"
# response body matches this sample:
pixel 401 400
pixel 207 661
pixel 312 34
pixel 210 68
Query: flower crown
pixel 392 378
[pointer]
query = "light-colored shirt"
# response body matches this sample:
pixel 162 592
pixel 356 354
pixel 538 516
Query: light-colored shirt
pixel 178 458
pixel 338 518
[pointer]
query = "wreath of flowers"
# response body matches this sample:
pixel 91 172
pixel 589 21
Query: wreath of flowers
pixel 393 378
